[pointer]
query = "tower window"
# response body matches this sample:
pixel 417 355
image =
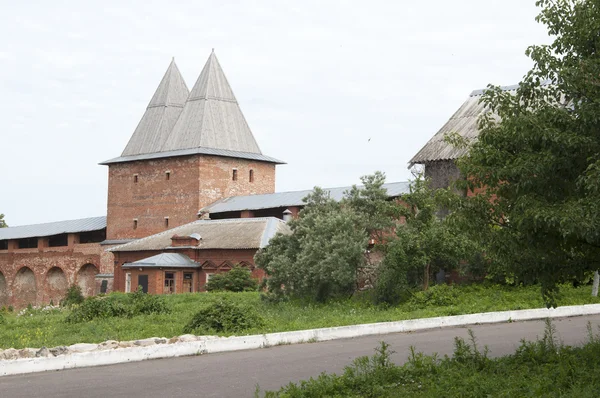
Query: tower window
pixel 135 178
pixel 167 175
pixel 135 223
pixel 234 175
pixel 166 222
pixel 251 176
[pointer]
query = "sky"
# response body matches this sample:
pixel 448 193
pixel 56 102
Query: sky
pixel 337 89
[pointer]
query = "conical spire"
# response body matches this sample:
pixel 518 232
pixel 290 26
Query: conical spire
pixel 211 117
pixel 161 114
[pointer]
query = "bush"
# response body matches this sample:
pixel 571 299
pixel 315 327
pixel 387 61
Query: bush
pixel 118 305
pixel 74 296
pixel 436 296
pixel 224 316
pixel 237 280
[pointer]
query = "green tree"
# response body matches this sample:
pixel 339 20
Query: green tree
pixel 537 157
pixel 425 242
pixel 321 258
pixel 3 223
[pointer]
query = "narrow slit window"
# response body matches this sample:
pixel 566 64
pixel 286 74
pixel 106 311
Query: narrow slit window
pixel 167 175
pixel 234 175
pixel 135 223
pixel 166 222
pixel 135 178
pixel 251 176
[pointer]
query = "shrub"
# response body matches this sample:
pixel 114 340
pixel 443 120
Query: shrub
pixel 2 319
pixel 224 316
pixel 237 280
pixel 118 305
pixel 74 296
pixel 436 296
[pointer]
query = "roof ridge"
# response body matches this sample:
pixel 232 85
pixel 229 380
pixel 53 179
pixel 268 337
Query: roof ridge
pixel 52 222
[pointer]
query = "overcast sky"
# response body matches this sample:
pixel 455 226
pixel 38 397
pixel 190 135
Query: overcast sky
pixel 315 80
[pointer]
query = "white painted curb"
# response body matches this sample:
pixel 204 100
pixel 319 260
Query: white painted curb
pixel 213 345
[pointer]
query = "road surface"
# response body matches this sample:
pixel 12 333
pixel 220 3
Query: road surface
pixel 236 374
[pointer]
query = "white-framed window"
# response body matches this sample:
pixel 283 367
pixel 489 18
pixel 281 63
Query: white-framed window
pixel 208 276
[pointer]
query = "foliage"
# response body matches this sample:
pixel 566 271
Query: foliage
pixel 74 296
pixel 3 223
pixel 224 316
pixel 236 280
pixel 320 260
pixel 541 368
pixel 425 242
pixel 378 214
pixel 118 305
pixel 539 163
pixel 437 296
pixel 2 319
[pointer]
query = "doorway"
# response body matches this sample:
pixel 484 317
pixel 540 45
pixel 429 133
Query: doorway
pixel 143 282
pixel 188 285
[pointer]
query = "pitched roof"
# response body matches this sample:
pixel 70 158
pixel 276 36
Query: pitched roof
pixel 169 260
pixel 211 117
pixel 286 199
pixel 240 233
pixel 53 228
pixel 161 114
pixel 463 122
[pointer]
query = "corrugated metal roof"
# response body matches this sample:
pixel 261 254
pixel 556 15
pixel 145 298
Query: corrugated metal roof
pixel 463 122
pixel 168 260
pixel 211 117
pixel 196 151
pixel 286 199
pixel 240 233
pixel 161 114
pixel 53 228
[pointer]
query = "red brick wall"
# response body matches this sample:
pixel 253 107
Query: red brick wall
pixel 194 182
pixel 37 276
pixel 220 259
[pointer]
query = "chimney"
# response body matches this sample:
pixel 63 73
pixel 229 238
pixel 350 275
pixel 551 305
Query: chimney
pixel 287 215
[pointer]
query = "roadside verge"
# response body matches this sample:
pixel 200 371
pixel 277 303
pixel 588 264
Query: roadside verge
pixel 156 348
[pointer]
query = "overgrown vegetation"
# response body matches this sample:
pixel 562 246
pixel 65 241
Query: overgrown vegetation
pixel 118 305
pixel 40 327
pixel 542 368
pixel 224 316
pixel 238 279
pixel 73 297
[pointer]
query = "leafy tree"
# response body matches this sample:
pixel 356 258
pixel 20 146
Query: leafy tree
pixel 424 242
pixel 236 280
pixel 3 223
pixel 321 258
pixel 538 164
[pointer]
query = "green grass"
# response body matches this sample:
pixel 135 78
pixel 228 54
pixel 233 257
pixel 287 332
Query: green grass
pixel 544 368
pixel 51 329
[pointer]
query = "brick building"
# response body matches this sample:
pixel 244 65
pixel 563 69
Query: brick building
pixel 192 156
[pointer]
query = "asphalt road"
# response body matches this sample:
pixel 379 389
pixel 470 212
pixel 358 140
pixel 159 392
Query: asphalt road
pixel 236 374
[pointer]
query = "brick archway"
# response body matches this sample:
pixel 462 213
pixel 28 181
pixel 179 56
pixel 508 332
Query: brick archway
pixel 86 279
pixel 56 285
pixel 3 291
pixel 24 288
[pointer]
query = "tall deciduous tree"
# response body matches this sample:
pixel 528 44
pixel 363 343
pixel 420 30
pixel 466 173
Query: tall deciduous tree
pixel 537 157
pixel 2 221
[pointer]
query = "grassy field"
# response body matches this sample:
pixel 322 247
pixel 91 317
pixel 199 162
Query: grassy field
pixel 544 368
pixel 37 328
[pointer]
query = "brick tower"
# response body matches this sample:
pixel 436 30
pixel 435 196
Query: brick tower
pixel 189 150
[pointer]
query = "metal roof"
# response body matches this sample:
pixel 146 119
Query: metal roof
pixel 195 151
pixel 161 114
pixel 286 199
pixel 166 260
pixel 53 228
pixel 239 233
pixel 211 116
